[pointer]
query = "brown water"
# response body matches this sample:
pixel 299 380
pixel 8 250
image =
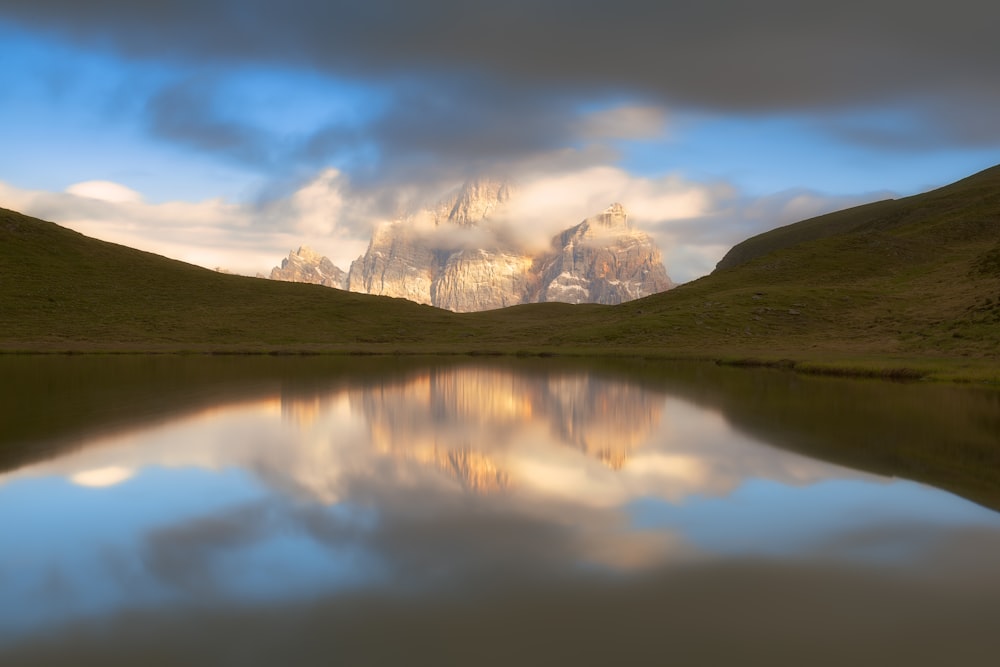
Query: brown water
pixel 187 510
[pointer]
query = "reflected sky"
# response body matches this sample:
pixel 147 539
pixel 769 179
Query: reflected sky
pixel 424 483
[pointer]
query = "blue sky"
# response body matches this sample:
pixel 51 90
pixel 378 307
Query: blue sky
pixel 225 133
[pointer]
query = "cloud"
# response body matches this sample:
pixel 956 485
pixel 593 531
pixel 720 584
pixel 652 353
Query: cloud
pixel 938 121
pixel 693 246
pixel 116 193
pixel 185 556
pixel 102 477
pixel 242 237
pixel 470 85
pixel 187 112
pixel 549 203
pixel 694 223
pixel 624 122
pixel 716 53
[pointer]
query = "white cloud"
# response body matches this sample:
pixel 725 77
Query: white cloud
pixel 213 233
pixel 550 203
pixel 663 207
pixel 314 209
pixel 336 221
pixel 694 223
pixel 105 191
pixel 102 477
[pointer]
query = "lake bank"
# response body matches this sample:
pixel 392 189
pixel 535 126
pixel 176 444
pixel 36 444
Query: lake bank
pixel 899 368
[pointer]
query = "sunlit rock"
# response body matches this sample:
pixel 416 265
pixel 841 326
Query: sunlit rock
pixel 602 260
pixel 307 266
pixel 460 255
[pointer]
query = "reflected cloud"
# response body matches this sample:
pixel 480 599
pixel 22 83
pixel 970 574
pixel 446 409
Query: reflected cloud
pixel 470 421
pixel 436 482
pixel 101 477
pixel 599 441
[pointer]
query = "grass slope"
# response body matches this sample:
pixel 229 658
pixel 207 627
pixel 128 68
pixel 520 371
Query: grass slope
pixel 61 290
pixel 917 281
pixel 908 287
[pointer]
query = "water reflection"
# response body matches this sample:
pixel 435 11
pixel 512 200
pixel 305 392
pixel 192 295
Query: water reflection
pixel 481 492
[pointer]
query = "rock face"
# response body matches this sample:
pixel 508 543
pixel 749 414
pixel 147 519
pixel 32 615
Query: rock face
pixel 602 260
pixel 482 280
pixel 306 266
pixel 397 263
pixel 429 258
pixel 456 255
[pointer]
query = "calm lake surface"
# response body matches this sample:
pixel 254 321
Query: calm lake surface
pixel 300 511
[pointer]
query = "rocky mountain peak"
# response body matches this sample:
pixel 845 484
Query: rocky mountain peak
pixel 477 199
pixel 613 217
pixel 305 265
pixel 600 260
pixel 305 254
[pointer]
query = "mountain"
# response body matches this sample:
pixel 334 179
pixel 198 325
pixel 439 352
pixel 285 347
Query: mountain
pixel 602 260
pixel 307 266
pixel 458 256
pixel 909 291
pixel 63 291
pixel 411 258
pixel 913 277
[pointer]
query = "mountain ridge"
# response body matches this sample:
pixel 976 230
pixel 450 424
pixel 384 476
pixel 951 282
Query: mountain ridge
pixel 305 265
pixel 600 260
pixel 907 296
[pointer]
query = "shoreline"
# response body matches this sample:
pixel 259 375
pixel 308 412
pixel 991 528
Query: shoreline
pixel 892 368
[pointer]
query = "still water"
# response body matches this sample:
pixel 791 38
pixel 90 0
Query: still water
pixel 184 510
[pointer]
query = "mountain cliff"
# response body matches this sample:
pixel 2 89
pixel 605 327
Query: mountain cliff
pixel 396 264
pixel 602 260
pixel 457 255
pixel 451 256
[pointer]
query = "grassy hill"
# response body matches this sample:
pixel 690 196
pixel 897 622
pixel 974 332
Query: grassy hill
pixel 61 290
pixel 907 286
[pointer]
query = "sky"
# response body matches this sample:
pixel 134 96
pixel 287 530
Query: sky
pixel 226 133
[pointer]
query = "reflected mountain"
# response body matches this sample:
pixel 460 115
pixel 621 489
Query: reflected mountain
pixel 456 417
pixel 227 511
pixel 938 434
pixel 603 418
pixel 588 438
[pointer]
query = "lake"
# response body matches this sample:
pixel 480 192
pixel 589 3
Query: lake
pixel 476 511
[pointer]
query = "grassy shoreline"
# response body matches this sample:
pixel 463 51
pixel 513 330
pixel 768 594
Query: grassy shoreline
pixel 965 371
pixel 936 433
pixel 906 290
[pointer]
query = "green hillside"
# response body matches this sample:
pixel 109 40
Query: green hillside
pixel 916 279
pixel 61 290
pixel 908 287
pixel 958 204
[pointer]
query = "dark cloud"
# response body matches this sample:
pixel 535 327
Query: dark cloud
pixel 185 556
pixel 959 119
pixel 733 55
pixel 724 611
pixel 441 133
pixel 186 113
pixel 471 119
pixel 478 82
